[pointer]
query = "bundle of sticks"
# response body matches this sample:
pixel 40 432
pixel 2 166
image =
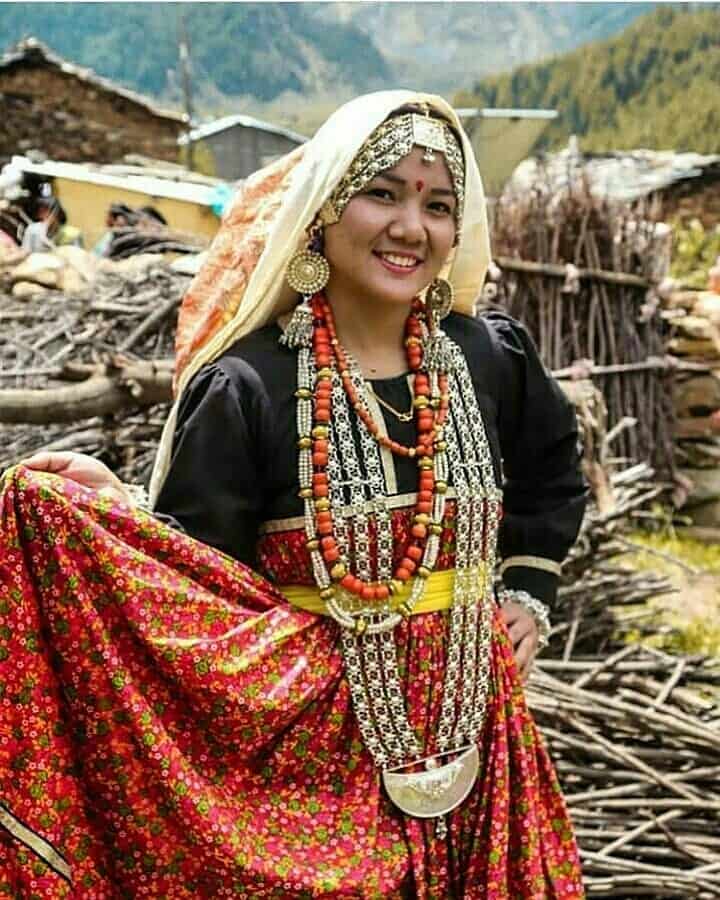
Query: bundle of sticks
pixel 634 731
pixel 136 239
pixel 91 374
pixel 583 274
pixel 638 755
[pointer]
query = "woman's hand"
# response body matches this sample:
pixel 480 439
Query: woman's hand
pixel 85 470
pixel 524 634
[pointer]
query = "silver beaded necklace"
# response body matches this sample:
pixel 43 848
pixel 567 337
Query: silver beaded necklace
pixel 422 786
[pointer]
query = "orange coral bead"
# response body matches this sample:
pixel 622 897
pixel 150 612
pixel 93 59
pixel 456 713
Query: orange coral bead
pixel 414 552
pixel 382 592
pixel 402 574
pixel 418 531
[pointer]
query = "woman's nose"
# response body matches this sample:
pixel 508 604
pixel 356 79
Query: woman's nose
pixel 408 224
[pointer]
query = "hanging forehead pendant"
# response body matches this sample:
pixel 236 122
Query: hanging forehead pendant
pixel 429 134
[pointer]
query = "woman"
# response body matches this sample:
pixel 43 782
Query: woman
pixel 352 725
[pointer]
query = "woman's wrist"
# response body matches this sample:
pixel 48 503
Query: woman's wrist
pixel 138 495
pixel 537 609
pixel 129 494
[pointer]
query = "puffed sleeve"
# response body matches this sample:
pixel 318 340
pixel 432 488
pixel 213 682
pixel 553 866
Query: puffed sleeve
pixel 544 490
pixel 214 486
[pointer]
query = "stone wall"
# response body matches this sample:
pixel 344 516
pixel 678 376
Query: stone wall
pixel 695 341
pixel 69 119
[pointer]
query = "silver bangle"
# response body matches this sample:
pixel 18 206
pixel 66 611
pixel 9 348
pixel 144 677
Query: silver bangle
pixel 537 609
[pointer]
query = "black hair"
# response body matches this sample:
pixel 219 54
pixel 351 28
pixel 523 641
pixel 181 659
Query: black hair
pixel 153 213
pixel 122 209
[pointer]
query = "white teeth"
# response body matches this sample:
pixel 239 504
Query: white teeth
pixel 405 261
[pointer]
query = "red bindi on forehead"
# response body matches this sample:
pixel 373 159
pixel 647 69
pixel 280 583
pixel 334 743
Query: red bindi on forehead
pixel 419 185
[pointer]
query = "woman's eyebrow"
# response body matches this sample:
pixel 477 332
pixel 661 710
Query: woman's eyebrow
pixel 396 179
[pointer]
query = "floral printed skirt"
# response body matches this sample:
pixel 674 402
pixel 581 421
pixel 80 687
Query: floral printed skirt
pixel 171 728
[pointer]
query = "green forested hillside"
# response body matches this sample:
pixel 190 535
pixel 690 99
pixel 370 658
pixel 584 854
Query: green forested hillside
pixel 299 54
pixel 657 85
pixel 259 49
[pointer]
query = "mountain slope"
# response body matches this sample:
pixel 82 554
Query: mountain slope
pixel 656 85
pixel 265 50
pixel 443 46
pixel 261 49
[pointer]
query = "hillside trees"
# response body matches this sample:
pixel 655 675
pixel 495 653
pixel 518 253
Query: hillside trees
pixel 657 85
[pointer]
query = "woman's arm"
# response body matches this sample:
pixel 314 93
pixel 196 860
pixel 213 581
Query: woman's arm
pixel 214 485
pixel 544 490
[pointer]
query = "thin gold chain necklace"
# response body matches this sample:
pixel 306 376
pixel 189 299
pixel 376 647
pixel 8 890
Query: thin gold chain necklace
pixel 402 416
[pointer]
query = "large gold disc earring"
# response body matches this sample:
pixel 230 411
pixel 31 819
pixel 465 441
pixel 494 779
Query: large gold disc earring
pixel 439 299
pixel 307 272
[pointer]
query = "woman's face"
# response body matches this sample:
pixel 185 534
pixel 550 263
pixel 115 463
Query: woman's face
pixel 395 235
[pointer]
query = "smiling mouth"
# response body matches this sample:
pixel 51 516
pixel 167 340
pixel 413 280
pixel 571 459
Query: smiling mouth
pixel 399 262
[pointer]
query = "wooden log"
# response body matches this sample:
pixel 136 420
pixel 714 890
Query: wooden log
pixel 697 426
pixel 682 300
pixel 698 328
pixel 135 384
pixel 697 395
pixel 705 349
pixel 699 533
pixel 556 271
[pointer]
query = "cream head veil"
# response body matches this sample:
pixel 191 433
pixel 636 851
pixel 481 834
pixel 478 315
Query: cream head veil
pixel 242 285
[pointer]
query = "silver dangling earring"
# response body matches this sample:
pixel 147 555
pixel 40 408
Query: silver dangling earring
pixel 439 298
pixel 307 273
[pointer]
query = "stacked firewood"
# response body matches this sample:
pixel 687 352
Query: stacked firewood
pixel 582 274
pixel 634 731
pixel 91 371
pixel 694 317
pixel 637 749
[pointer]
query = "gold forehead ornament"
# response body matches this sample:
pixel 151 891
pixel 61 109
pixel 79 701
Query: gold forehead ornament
pixel 430 134
pixel 387 145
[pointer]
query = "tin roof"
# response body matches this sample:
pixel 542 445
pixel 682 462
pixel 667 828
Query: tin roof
pixel 621 175
pixel 201 193
pixel 217 125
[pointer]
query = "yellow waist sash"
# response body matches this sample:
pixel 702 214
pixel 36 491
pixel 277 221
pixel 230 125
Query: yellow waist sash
pixel 438 595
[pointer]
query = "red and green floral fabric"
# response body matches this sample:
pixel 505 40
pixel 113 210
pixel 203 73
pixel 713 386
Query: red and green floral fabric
pixel 171 728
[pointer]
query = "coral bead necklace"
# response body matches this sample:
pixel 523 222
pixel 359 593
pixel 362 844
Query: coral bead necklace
pixel 430 409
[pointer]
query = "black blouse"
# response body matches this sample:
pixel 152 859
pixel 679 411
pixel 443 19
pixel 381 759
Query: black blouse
pixel 234 458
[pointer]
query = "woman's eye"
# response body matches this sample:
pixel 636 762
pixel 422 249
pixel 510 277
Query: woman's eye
pixel 381 192
pixel 439 207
